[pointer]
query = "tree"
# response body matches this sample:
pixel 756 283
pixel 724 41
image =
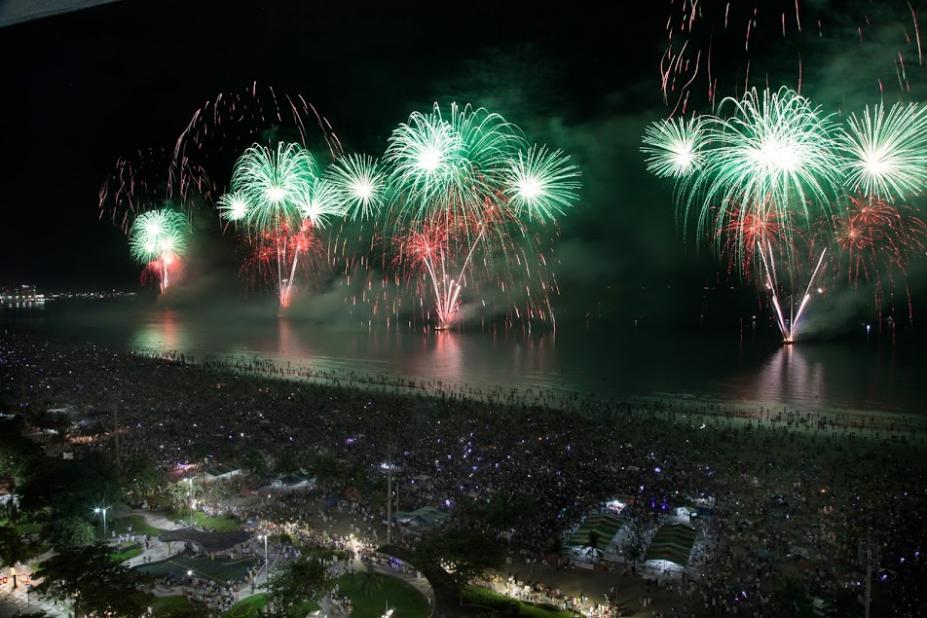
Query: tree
pixel 143 478
pixel 72 531
pixel 13 548
pixel 470 552
pixel 304 579
pixel 87 576
pixel 793 598
pixel 256 462
pixel 70 488
pixel 18 454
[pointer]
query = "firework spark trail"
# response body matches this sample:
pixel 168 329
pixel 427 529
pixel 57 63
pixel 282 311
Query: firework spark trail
pixel 695 28
pixel 805 298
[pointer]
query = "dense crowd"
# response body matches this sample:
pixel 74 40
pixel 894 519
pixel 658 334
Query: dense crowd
pixel 796 493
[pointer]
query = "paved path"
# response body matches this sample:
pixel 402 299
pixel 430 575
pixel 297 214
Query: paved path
pixel 17 602
pixel 155 520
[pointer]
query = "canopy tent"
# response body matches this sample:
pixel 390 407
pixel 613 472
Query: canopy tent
pixel 425 516
pixel 672 543
pixel 596 531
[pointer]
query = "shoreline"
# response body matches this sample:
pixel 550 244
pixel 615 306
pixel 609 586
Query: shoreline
pixel 668 407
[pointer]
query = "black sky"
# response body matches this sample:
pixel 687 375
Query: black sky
pixel 80 90
pixel 85 88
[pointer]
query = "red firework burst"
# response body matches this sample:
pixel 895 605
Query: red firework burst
pixel 163 271
pixel 874 241
pixel 281 254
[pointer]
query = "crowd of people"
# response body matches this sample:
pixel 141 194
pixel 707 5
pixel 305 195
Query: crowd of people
pixel 795 493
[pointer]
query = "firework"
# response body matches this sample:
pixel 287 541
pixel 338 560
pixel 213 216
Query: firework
pixel 874 42
pixel 274 183
pixel 143 179
pixel 542 183
pixel 873 242
pixel 273 188
pixel 769 182
pixel 361 184
pixel 465 187
pixel 233 207
pixel 745 233
pixel 761 174
pixel 159 236
pixel 453 164
pixel 776 151
pixel 885 153
pixel 280 195
pixel 772 159
pixel 282 254
pixel 674 147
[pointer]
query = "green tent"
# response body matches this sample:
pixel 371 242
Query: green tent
pixel 604 525
pixel 425 516
pixel 672 543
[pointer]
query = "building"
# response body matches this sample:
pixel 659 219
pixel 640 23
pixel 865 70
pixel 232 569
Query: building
pixel 21 295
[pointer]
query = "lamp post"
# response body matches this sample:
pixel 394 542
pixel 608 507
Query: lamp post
pixel 102 510
pixel 266 561
pixel 189 481
pixel 868 554
pixel 389 467
pixel 389 504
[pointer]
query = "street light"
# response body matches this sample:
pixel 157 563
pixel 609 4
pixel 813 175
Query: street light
pixel 869 555
pixel 266 561
pixel 98 510
pixel 189 481
pixel 389 467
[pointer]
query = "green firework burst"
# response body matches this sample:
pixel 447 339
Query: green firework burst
pixel 157 233
pixel 673 148
pixel 885 153
pixel 774 156
pixel 452 163
pixel 541 183
pixel 360 183
pixel 273 185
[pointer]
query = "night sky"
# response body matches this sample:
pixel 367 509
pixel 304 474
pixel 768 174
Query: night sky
pixel 85 88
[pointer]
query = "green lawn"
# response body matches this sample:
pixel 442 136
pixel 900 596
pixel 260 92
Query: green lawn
pixel 481 597
pixel 216 570
pixel 401 597
pixel 248 607
pixel 133 524
pixel 126 553
pixel 222 523
pixel 175 606
pixel 217 524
